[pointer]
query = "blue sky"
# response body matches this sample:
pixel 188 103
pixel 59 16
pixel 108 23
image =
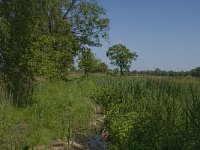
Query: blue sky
pixel 164 33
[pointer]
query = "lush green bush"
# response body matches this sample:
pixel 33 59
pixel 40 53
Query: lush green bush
pixel 151 113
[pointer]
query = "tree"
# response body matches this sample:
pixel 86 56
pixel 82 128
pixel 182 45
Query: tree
pixel 87 61
pixel 195 72
pixel 121 57
pixel 41 38
pixel 101 67
pixel 87 20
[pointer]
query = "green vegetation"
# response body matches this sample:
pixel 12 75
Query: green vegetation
pixel 101 67
pixel 87 61
pixel 151 113
pixel 195 72
pixel 60 111
pixel 121 56
pixel 41 38
pixel 90 64
pixel 142 113
pixel 39 41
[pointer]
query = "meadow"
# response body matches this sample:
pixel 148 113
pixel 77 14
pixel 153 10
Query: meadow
pixel 142 113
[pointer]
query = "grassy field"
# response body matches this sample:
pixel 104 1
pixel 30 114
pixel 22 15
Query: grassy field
pixel 145 113
pixel 142 113
pixel 60 110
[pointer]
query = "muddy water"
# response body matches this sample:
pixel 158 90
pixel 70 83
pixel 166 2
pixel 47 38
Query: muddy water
pixel 97 142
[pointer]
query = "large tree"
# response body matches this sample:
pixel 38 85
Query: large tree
pixel 87 20
pixel 121 57
pixel 41 38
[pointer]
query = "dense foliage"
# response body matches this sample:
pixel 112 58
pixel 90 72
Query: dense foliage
pixel 195 72
pixel 121 56
pixel 147 113
pixel 87 61
pixel 101 67
pixel 90 64
pixel 159 72
pixel 41 38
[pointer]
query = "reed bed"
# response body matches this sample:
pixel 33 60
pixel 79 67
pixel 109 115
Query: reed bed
pixel 151 112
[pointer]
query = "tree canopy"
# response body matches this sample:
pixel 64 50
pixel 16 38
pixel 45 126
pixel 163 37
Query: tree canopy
pixel 195 72
pixel 90 64
pixel 41 38
pixel 87 61
pixel 121 57
pixel 101 67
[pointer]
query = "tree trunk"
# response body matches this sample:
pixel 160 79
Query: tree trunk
pixel 121 71
pixel 21 88
pixel 86 73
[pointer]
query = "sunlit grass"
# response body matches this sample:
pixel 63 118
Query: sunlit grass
pixel 60 111
pixel 151 112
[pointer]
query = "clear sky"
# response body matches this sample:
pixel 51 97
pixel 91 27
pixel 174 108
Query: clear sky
pixel 164 33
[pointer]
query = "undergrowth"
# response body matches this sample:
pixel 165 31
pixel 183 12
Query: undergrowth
pixel 145 113
pixel 60 111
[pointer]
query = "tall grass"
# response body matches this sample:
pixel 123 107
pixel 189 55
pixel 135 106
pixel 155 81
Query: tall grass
pixel 59 112
pixel 151 112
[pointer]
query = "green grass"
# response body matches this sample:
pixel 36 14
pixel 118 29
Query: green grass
pixel 142 113
pixel 60 111
pixel 151 112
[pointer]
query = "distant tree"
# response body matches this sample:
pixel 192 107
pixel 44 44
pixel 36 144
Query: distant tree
pixel 101 67
pixel 121 57
pixel 195 72
pixel 157 70
pixel 116 71
pixel 87 61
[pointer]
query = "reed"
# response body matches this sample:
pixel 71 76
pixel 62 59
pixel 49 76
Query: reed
pixel 151 112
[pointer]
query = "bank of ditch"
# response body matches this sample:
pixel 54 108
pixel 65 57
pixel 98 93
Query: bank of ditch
pixel 61 117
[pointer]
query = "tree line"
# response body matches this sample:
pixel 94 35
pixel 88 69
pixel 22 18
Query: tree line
pixel 43 38
pixel 158 72
pixel 118 54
